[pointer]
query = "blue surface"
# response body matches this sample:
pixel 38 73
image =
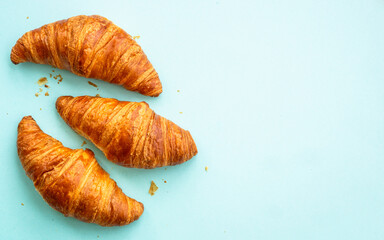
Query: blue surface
pixel 285 100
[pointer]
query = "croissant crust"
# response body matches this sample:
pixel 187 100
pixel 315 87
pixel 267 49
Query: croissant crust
pixel 71 181
pixel 129 133
pixel 92 47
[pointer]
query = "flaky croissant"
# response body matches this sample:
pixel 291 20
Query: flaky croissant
pixel 129 133
pixel 92 47
pixel 71 181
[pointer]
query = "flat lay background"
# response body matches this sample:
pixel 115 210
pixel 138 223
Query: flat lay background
pixel 285 101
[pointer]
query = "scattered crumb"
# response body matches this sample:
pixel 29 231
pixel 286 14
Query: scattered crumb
pixel 40 109
pixel 7 113
pixel 97 88
pixel 97 95
pixel 84 142
pixel 50 75
pixel 42 81
pixel 40 89
pixel 47 94
pixel 206 168
pixel 46 86
pixel 178 90
pixel 22 204
pixel 136 37
pixel 181 112
pixel 153 188
pixel 92 84
pixel 27 17
pixel 37 94
pixel 59 77
pixel 165 168
pixel 97 236
pixel 165 181
pixel 53 70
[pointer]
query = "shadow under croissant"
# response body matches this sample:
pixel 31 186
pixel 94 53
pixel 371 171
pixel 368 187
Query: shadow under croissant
pixel 89 228
pixel 132 174
pixel 75 83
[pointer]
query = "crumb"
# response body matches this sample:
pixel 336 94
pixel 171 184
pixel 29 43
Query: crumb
pixel 165 168
pixel 136 37
pixel 27 17
pixel 46 86
pixel 7 113
pixel 37 94
pixel 40 90
pixel 97 89
pixel 92 84
pixel 42 81
pixel 22 204
pixel 53 70
pixel 165 181
pixel 84 142
pixel 47 94
pixel 206 168
pixel 153 188
pixel 59 77
pixel 40 109
pixel 97 236
pixel 50 75
pixel 97 95
pixel 178 90
pixel 181 112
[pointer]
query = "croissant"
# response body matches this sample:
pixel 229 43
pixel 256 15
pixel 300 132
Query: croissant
pixel 92 47
pixel 71 181
pixel 129 133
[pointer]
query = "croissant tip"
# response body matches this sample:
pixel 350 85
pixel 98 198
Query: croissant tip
pixel 15 56
pixel 14 61
pixel 139 210
pixel 61 101
pixel 157 94
pixel 154 94
pixel 26 122
pixel 29 117
pixel 151 86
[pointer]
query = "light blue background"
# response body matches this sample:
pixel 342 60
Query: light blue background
pixel 285 100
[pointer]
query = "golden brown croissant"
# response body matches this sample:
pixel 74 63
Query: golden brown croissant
pixel 71 181
pixel 129 133
pixel 92 47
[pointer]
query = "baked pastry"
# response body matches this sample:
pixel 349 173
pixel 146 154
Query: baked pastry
pixel 71 181
pixel 92 47
pixel 129 133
